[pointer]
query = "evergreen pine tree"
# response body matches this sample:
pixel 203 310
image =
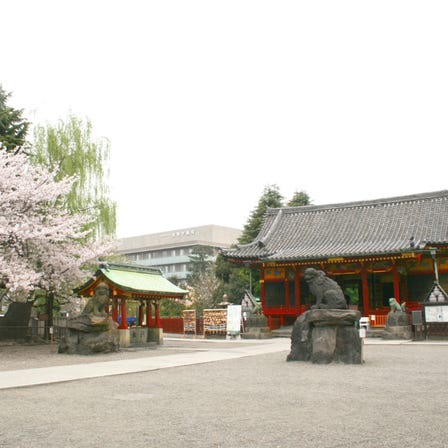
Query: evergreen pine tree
pixel 271 198
pixel 298 199
pixel 13 127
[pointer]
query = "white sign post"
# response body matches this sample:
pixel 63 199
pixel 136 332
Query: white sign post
pixel 233 321
pixel 436 313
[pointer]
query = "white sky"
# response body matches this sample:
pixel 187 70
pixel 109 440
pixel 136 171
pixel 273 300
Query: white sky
pixel 206 102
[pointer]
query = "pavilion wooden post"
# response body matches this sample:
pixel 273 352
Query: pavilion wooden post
pixel 115 309
pixel 158 323
pixel 141 313
pixel 123 325
pixel 149 321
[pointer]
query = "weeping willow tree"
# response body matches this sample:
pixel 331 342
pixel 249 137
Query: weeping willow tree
pixel 70 150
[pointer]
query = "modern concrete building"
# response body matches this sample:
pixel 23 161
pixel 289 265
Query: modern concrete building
pixel 170 250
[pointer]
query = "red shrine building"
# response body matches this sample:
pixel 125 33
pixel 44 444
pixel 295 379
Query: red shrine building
pixel 135 295
pixel 375 250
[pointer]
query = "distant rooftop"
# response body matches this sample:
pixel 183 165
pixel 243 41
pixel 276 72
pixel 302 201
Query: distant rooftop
pixel 208 235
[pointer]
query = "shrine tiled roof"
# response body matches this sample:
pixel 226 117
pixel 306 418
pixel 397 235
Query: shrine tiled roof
pixel 135 279
pixel 355 229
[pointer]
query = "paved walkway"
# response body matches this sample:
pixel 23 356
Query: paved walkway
pixel 227 349
pixel 219 350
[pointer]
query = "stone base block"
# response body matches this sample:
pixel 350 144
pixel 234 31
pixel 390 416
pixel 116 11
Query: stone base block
pixel 397 332
pixel 155 335
pixel 90 342
pixel 125 337
pixel 257 333
pixel 325 336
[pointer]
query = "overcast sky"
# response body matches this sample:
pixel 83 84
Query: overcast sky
pixel 207 102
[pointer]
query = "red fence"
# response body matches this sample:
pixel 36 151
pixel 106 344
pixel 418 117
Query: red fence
pixel 175 325
pixel 172 325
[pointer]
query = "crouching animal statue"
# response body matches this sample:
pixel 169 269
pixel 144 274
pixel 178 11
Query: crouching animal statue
pixel 395 307
pixel 327 292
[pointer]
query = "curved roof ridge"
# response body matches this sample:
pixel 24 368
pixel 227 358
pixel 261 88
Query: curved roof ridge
pixel 364 203
pixel 262 241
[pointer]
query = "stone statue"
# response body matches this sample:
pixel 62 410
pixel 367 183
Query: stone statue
pixel 397 322
pixel 93 331
pixel 327 332
pixel 96 306
pixel 327 292
pixel 395 307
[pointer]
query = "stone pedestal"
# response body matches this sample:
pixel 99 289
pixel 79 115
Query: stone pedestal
pixel 87 335
pixel 323 336
pixel 256 327
pixel 155 335
pixel 397 326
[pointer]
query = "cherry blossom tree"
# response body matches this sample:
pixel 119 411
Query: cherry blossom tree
pixel 42 245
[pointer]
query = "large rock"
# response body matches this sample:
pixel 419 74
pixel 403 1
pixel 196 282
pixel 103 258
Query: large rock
pixel 89 335
pixel 323 336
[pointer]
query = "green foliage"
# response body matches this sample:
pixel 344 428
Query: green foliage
pixel 238 279
pixel 201 259
pixel 69 149
pixel 299 199
pixel 202 279
pixel 13 127
pixel 172 308
pixel 234 281
pixel 271 198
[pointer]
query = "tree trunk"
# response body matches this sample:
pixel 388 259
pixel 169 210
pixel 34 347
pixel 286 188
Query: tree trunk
pixel 49 311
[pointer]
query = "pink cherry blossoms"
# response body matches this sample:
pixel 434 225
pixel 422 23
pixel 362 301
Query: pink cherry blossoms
pixel 42 245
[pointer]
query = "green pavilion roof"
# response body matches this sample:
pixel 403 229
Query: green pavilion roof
pixel 135 279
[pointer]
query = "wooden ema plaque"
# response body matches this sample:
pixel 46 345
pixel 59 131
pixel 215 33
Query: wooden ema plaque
pixel 215 322
pixel 189 320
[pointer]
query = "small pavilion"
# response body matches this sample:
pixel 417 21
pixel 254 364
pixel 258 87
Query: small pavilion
pixel 138 287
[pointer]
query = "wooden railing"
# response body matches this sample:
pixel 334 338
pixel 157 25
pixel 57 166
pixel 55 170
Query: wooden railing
pixel 378 320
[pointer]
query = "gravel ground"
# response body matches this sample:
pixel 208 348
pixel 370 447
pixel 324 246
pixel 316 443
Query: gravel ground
pixel 398 398
pixel 28 356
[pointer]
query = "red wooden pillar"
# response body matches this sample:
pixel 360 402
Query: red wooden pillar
pixel 287 306
pixel 262 291
pixel 123 325
pixel 158 323
pixel 149 322
pixel 396 283
pixel 297 290
pixel 365 291
pixel 115 309
pixel 140 313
